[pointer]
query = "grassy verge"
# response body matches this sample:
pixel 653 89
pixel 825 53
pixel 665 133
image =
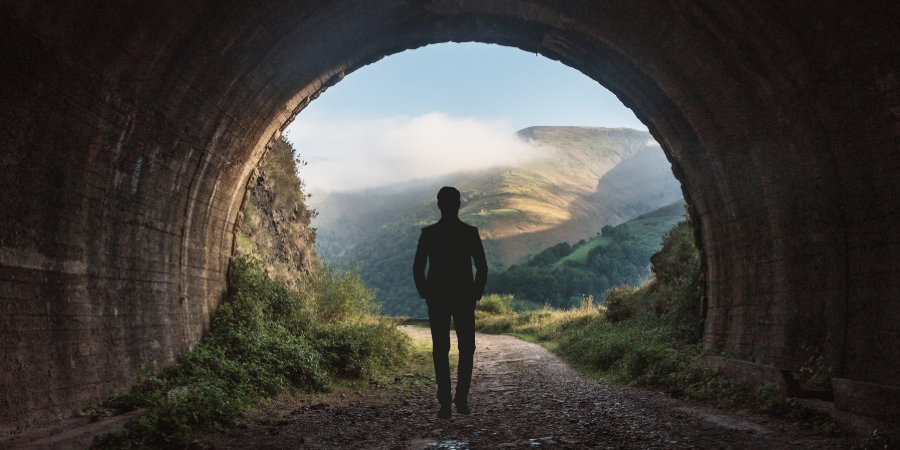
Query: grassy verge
pixel 380 389
pixel 645 336
pixel 267 340
pixel 636 353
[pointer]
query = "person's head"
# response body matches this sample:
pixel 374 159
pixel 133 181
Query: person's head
pixel 448 201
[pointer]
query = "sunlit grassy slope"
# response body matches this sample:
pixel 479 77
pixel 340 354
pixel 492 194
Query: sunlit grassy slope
pixel 645 229
pixel 563 274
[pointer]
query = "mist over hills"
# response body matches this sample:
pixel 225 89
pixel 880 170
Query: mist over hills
pixel 585 178
pixel 345 218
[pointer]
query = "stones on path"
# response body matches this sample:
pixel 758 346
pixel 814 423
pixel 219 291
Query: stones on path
pixel 541 405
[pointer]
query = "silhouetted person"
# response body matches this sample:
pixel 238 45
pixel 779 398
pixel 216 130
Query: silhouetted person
pixel 449 247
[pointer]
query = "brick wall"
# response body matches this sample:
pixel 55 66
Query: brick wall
pixel 129 130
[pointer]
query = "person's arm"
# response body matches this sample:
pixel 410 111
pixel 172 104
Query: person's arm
pixel 419 267
pixel 481 268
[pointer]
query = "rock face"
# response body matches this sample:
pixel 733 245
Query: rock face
pixel 274 226
pixel 129 132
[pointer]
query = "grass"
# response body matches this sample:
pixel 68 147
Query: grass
pixel 379 390
pixel 581 253
pixel 645 229
pixel 267 340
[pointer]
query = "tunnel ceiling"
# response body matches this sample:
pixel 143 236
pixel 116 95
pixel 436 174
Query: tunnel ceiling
pixel 129 132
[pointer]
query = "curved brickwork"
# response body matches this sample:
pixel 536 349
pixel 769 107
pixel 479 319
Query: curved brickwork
pixel 129 131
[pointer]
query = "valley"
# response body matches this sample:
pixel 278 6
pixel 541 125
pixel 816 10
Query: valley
pixel 586 178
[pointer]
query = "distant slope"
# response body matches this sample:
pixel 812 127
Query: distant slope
pixel 346 218
pixel 646 230
pixel 588 178
pixel 561 274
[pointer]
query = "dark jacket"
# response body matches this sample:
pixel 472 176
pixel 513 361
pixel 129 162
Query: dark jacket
pixel 449 247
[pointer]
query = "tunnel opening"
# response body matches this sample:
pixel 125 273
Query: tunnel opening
pixel 527 191
pixel 779 121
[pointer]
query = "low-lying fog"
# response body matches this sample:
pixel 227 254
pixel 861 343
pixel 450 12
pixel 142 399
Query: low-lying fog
pixel 373 153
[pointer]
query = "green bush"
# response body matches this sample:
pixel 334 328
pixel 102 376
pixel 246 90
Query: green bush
pixel 267 339
pixel 341 295
pixel 361 349
pixel 495 304
pixel 618 306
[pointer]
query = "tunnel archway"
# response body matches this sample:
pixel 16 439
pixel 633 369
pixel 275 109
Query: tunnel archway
pixel 130 133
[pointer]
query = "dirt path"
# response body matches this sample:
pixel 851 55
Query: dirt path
pixel 522 397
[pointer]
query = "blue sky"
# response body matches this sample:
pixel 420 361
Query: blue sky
pixel 391 121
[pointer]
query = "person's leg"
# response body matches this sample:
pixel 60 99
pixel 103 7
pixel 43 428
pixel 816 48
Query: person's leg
pixel 439 318
pixel 464 320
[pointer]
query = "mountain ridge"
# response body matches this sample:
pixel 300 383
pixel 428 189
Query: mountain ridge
pixel 588 177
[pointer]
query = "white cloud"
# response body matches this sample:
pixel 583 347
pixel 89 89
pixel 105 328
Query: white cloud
pixel 364 154
pixel 652 143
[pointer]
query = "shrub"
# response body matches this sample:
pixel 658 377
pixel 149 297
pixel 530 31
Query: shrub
pixel 361 349
pixel 618 306
pixel 265 340
pixel 495 304
pixel 341 295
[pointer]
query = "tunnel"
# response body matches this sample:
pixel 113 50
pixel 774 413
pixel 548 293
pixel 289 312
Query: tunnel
pixel 130 131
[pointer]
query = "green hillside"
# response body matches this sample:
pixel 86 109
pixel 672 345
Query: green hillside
pixel 645 229
pixel 561 274
pixel 587 178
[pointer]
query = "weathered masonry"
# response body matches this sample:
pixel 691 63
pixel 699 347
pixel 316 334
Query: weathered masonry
pixel 129 130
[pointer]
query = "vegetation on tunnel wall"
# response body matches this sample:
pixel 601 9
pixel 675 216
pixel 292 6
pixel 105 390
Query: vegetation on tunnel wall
pixel 268 338
pixel 290 324
pixel 276 221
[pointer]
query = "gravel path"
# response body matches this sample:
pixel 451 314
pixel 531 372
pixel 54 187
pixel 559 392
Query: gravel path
pixel 522 397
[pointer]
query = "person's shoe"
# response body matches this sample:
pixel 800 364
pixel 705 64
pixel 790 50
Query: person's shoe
pixel 444 413
pixel 462 408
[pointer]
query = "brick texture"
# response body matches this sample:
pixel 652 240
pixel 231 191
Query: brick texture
pixel 129 130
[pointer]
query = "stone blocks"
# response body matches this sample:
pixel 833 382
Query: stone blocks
pixel 128 132
pixel 869 399
pixel 751 373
